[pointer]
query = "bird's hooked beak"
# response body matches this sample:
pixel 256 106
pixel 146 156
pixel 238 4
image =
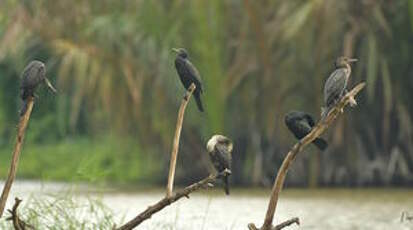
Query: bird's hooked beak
pixel 50 86
pixel 175 50
pixel 352 59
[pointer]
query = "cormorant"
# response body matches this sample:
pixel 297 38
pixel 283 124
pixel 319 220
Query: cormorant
pixel 220 148
pixel 188 74
pixel 32 76
pixel 335 86
pixel 301 124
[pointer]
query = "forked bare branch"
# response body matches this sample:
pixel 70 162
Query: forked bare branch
pixel 319 129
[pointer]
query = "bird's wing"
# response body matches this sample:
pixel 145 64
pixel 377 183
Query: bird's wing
pixel 304 126
pixel 299 127
pixel 223 156
pixel 335 85
pixel 309 119
pixel 193 71
pixel 31 76
pixel 27 72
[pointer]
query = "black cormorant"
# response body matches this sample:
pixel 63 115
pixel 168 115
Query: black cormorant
pixel 188 74
pixel 32 76
pixel 301 124
pixel 335 86
pixel 220 148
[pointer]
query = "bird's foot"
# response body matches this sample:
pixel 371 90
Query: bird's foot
pixel 352 101
pixel 185 96
pixel 300 142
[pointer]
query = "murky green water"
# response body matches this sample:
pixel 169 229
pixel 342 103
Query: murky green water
pixel 317 209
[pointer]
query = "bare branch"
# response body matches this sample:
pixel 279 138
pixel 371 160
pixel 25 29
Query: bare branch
pixel 24 120
pixel 284 224
pixel 174 153
pixel 18 224
pixel 319 129
pixel 166 201
pixel 287 223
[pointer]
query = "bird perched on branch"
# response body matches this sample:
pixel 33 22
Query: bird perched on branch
pixel 32 76
pixel 336 84
pixel 220 149
pixel 188 74
pixel 301 124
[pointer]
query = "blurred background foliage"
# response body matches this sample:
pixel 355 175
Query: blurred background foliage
pixel 114 117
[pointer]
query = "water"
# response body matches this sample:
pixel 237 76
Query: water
pixel 317 209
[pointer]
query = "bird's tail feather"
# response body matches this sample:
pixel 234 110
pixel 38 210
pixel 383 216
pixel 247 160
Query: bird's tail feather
pixel 320 143
pixel 24 108
pixel 199 102
pixel 226 185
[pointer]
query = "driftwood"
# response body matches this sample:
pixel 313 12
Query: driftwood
pixel 175 147
pixel 18 223
pixel 24 120
pixel 319 129
pixel 166 201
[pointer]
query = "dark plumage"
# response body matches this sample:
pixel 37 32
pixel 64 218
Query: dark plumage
pixel 301 124
pixel 32 76
pixel 220 148
pixel 188 75
pixel 335 86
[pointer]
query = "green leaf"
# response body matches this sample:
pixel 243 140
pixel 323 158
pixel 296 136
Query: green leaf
pixel 410 8
pixel 371 67
pixel 296 21
pixel 387 84
pixel 381 20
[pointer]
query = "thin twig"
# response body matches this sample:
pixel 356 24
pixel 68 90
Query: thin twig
pixel 174 153
pixel 18 223
pixel 287 223
pixel 284 224
pixel 24 120
pixel 202 184
pixel 319 129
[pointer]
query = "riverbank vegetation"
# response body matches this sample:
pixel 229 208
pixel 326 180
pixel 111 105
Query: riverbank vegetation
pixel 113 67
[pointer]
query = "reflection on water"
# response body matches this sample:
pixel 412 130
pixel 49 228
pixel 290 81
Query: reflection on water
pixel 317 209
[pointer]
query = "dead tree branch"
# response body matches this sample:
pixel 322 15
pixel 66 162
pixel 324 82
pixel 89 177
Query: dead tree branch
pixel 18 223
pixel 24 120
pixel 284 224
pixel 174 153
pixel 287 223
pixel 319 129
pixel 166 201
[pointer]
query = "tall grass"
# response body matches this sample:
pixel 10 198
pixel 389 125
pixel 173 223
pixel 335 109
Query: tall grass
pixel 63 211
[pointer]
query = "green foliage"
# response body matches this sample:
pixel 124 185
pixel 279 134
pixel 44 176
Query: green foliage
pixel 63 212
pixel 103 159
pixel 113 66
